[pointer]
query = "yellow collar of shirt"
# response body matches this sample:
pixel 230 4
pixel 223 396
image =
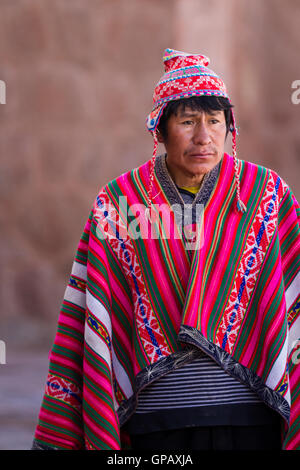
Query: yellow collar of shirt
pixel 191 189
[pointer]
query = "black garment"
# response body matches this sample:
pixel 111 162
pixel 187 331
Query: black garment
pixel 264 437
pixel 238 415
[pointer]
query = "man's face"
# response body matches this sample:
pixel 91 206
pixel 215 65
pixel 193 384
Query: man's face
pixel 194 144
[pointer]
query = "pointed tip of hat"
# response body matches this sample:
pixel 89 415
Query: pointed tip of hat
pixel 171 53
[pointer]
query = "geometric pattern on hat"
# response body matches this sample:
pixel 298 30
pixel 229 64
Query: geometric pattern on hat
pixel 185 75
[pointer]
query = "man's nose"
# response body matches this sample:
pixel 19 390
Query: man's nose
pixel 201 135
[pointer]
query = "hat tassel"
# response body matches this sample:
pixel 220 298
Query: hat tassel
pixel 149 201
pixel 241 206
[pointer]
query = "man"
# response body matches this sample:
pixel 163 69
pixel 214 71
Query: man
pixel 180 325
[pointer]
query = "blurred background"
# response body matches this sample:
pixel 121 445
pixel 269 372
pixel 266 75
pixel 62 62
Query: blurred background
pixel 79 78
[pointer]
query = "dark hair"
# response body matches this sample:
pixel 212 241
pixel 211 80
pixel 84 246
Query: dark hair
pixel 199 103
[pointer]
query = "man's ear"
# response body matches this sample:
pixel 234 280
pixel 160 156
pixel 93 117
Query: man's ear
pixel 159 137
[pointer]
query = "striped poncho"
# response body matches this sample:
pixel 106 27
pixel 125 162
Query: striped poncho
pixel 139 304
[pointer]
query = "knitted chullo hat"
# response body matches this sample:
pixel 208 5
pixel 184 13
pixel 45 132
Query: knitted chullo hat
pixel 187 75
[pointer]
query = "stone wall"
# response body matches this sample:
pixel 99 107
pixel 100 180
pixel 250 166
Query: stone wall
pixel 79 77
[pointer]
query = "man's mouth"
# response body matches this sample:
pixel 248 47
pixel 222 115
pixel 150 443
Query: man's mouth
pixel 201 154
